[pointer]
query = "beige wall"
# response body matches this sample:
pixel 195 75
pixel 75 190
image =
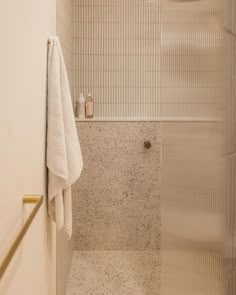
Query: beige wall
pixel 24 29
pixel 117 198
pixel 64 28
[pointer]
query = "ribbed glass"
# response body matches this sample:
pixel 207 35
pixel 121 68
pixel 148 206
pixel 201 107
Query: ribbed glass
pixel 192 209
pixel 192 58
pixel 193 168
pixel 230 237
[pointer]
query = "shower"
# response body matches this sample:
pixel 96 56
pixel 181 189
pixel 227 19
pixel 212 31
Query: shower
pixel 149 204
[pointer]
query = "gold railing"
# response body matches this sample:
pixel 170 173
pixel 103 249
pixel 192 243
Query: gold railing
pixel 37 201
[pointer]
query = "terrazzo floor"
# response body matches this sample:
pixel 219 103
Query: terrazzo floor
pixel 115 273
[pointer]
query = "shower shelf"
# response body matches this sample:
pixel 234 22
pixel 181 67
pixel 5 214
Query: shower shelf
pixel 149 119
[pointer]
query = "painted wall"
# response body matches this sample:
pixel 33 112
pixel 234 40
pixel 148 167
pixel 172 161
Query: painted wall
pixel 24 29
pixel 64 29
pixel 117 198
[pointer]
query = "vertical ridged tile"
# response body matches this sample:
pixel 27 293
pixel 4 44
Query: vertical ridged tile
pixel 123 37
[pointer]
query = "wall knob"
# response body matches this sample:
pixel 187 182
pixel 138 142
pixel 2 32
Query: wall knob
pixel 147 144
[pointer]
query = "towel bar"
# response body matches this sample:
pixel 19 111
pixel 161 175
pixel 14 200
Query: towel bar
pixel 37 201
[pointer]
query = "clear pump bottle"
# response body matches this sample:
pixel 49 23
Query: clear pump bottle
pixel 81 106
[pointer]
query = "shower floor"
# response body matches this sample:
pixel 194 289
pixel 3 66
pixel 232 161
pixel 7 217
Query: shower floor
pixel 115 273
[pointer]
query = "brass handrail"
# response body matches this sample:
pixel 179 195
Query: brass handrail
pixel 37 201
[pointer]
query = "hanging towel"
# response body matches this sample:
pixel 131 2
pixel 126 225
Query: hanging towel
pixel 64 158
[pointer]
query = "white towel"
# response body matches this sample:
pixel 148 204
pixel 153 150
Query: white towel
pixel 64 159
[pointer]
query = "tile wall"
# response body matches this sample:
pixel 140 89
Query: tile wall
pixel 150 58
pixel 117 198
pixel 117 56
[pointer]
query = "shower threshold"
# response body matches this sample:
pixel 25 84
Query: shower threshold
pixel 115 273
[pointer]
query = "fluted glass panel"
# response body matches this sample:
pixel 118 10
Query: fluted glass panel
pixel 192 209
pixel 230 238
pixel 193 166
pixel 192 58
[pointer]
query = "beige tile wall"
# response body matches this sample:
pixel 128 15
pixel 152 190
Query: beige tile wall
pixel 117 198
pixel 117 46
pixel 64 29
pixel 150 58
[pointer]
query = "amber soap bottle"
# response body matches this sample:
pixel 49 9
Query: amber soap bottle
pixel 89 106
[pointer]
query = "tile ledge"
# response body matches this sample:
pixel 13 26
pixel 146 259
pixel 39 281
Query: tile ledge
pixel 150 119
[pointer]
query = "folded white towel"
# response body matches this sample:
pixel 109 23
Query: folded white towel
pixel 64 159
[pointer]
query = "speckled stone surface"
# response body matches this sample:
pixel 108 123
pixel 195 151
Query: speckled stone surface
pixel 117 198
pixel 115 273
